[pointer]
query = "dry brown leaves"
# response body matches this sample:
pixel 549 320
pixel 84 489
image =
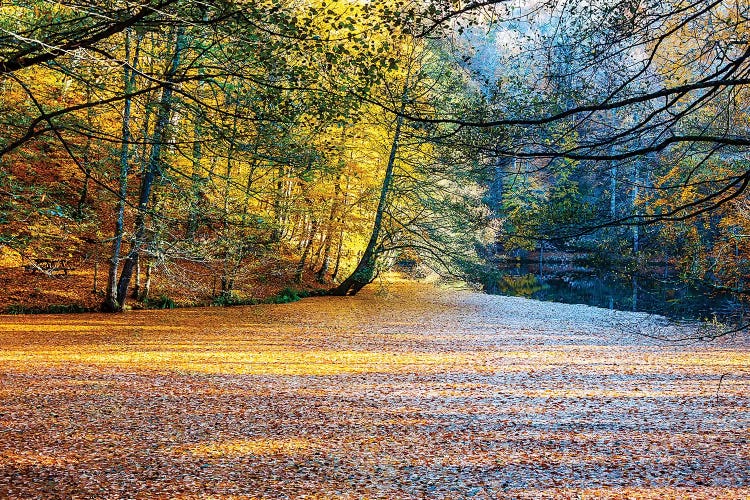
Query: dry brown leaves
pixel 417 394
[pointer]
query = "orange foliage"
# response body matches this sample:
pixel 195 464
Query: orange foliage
pixel 414 393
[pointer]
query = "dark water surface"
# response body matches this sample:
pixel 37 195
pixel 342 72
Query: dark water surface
pixel 611 289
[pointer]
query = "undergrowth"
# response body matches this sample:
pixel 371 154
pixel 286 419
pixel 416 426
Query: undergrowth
pixel 283 297
pixel 163 301
pixel 50 309
pixel 160 302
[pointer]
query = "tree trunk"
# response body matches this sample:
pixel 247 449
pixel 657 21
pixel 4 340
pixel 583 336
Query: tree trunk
pixel 636 227
pixel 111 302
pixel 196 178
pixel 160 129
pixel 541 259
pixel 197 174
pixel 147 284
pixel 231 257
pixel 308 245
pixel 339 248
pixel 613 192
pixel 364 273
pixel 340 222
pixel 137 288
pixel 320 276
pixel 280 208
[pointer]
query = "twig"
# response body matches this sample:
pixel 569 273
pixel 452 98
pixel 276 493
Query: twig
pixel 719 387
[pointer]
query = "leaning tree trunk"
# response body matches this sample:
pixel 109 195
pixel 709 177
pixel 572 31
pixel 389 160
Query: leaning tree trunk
pixel 364 273
pixel 160 128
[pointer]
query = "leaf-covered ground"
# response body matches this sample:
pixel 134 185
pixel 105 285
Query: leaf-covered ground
pixel 183 282
pixel 417 393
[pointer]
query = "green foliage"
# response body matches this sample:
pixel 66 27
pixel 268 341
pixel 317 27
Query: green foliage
pixel 288 295
pixel 285 296
pixel 160 302
pixel 231 299
pixel 51 309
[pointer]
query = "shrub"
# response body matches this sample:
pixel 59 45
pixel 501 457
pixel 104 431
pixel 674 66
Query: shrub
pixel 51 309
pixel 232 300
pixel 288 295
pixel 160 302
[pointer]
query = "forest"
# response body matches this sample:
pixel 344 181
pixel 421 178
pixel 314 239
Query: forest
pixel 195 152
pixel 421 173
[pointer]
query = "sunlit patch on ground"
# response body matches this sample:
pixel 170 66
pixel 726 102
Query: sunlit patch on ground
pixel 248 447
pixel 415 394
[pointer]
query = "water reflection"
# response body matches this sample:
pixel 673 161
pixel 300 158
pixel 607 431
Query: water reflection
pixel 611 289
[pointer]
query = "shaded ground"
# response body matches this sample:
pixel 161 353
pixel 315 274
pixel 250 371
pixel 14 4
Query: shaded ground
pixel 184 283
pixel 411 394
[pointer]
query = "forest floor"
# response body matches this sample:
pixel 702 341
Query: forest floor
pixel 408 391
pixel 184 284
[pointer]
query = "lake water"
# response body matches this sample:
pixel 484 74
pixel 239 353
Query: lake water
pixel 614 290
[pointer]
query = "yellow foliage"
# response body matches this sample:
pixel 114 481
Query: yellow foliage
pixel 10 257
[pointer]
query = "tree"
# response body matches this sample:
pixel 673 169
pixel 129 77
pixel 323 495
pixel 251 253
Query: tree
pixel 419 191
pixel 292 62
pixel 677 71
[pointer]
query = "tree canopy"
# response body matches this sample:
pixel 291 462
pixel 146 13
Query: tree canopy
pixel 210 140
